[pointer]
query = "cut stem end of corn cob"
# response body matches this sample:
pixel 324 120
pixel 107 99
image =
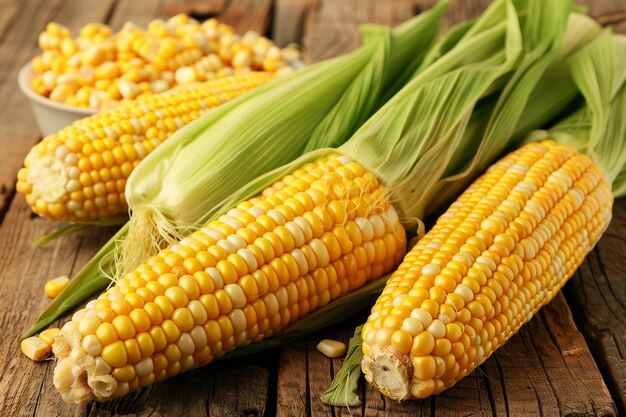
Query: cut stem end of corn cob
pixel 78 376
pixel 389 370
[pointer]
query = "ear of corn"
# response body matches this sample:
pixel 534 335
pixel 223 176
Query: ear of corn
pixel 334 98
pixel 501 251
pixel 80 173
pixel 600 64
pixel 320 232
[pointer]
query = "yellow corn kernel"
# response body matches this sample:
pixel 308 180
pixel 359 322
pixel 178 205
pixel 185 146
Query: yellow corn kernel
pixel 48 335
pixel 56 285
pixel 61 93
pixel 35 348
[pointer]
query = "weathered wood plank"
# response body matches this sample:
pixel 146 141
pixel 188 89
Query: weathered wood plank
pixel 246 15
pixel 231 388
pixel 597 294
pixel 24 270
pixel 138 12
pixel 330 28
pixel 289 20
pixel 546 369
pixel 292 380
pixel 10 10
pixel 608 12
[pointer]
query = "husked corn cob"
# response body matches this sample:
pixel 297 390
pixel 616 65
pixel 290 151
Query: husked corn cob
pixel 323 230
pixel 80 173
pixel 502 251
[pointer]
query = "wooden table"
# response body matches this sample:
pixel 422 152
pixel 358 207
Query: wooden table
pixel 569 360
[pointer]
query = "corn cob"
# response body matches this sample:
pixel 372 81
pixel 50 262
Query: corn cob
pixel 80 173
pixel 325 229
pixel 502 251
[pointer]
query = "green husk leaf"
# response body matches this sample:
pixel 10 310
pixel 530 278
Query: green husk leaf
pixel 77 227
pixel 347 117
pixel 493 128
pixel 598 128
pixel 345 393
pixel 94 277
pixel 436 107
pixel 200 165
pixel 393 53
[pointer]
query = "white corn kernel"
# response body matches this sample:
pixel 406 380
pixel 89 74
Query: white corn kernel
pixel 332 348
pixel 185 75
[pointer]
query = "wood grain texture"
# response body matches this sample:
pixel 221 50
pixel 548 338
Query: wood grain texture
pixel 597 294
pixel 25 386
pixel 547 369
pixel 328 28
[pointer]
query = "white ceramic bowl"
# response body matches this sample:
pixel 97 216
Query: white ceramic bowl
pixel 50 115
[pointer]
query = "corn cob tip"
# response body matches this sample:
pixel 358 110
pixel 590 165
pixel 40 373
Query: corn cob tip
pixel 78 376
pixel 389 370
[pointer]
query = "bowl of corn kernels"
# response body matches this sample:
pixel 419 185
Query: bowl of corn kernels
pixel 75 77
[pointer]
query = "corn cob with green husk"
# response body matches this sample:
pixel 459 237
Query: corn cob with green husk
pixel 262 131
pixel 324 228
pixel 320 232
pixel 504 248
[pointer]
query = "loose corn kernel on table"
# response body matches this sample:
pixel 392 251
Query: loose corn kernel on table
pixel 569 360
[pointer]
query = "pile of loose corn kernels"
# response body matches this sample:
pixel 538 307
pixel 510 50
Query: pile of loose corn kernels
pixel 99 68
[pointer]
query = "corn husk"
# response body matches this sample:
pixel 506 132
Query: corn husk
pixel 599 127
pixel 181 183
